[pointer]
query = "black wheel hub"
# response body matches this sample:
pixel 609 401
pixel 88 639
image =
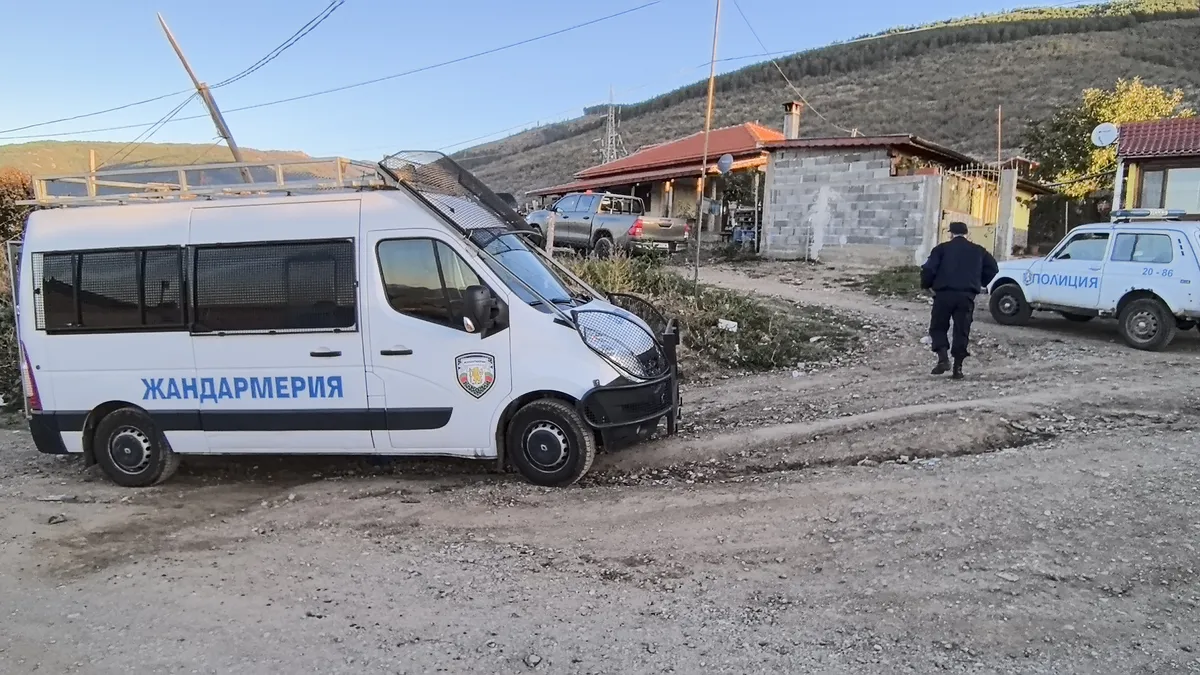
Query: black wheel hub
pixel 1008 305
pixel 129 450
pixel 546 446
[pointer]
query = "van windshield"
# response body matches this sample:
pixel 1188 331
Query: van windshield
pixel 517 260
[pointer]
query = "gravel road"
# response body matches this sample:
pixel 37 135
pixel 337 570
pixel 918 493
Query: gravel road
pixel 1039 517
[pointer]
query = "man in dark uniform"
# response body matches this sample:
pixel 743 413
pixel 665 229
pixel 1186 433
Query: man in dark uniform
pixel 956 272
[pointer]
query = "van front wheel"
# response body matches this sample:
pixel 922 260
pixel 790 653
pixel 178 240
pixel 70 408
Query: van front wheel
pixel 132 451
pixel 549 443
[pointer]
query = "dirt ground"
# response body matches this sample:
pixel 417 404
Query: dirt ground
pixel 1042 516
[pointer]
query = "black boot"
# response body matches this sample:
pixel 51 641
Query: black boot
pixel 943 363
pixel 957 374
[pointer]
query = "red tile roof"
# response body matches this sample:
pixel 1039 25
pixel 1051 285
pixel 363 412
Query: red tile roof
pixel 738 141
pixel 1160 138
pixel 631 178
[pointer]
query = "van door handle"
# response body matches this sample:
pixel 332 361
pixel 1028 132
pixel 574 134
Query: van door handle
pixel 395 352
pixel 1094 269
pixel 324 354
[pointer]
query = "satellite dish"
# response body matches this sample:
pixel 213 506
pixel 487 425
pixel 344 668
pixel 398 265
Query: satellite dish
pixel 1105 135
pixel 725 163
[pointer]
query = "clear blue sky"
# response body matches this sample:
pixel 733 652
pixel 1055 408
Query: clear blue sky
pixel 76 56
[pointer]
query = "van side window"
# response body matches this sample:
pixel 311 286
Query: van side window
pixel 275 286
pixel 425 279
pixel 111 290
pixel 1143 248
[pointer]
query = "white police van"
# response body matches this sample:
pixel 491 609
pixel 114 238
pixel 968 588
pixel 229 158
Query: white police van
pixel 331 308
pixel 1141 268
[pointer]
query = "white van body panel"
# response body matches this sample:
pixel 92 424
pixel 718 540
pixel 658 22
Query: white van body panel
pixel 212 372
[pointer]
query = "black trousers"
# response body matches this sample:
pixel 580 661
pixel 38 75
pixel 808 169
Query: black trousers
pixel 958 307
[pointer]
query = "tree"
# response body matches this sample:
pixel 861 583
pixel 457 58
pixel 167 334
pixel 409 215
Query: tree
pixel 1061 143
pixel 14 185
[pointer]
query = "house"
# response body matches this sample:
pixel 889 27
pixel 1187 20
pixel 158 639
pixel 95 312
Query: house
pixel 887 199
pixel 1158 165
pixel 666 176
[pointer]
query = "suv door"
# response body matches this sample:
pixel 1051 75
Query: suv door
pixel 1070 276
pixel 1147 259
pixel 581 224
pixel 564 211
pixel 442 386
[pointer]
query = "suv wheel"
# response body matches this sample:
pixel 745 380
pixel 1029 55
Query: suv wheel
pixel 1147 323
pixel 603 247
pixel 1008 306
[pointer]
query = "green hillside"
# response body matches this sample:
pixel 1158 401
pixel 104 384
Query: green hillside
pixel 58 157
pixel 943 84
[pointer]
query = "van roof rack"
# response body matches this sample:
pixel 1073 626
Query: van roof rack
pixel 205 181
pixel 1126 215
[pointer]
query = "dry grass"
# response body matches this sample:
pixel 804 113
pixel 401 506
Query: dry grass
pixel 767 337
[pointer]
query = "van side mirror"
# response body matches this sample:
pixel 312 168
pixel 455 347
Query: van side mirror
pixel 479 307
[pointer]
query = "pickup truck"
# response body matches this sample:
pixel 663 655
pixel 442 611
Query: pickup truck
pixel 605 222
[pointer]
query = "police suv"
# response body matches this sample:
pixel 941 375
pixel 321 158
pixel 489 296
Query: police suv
pixel 321 307
pixel 1141 268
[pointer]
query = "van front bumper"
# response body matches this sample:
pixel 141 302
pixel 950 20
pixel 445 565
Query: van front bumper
pixel 625 412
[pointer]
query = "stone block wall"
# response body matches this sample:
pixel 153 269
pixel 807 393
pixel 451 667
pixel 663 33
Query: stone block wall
pixel 846 205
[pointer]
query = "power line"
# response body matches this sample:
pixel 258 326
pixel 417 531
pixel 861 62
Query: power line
pixel 296 37
pixel 272 55
pixel 785 77
pixel 93 114
pixel 145 135
pixel 364 83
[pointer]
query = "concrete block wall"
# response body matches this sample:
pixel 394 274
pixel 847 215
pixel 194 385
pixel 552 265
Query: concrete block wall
pixel 845 205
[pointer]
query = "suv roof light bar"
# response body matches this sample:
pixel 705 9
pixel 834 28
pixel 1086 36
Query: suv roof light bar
pixel 1147 214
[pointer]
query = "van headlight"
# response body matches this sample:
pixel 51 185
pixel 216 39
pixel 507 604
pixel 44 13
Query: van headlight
pixel 622 343
pixel 615 351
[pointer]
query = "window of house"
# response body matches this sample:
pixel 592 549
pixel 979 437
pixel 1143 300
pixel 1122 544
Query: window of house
pixel 128 289
pixel 426 279
pixel 1084 246
pixel 1143 248
pixel 275 286
pixel 1173 188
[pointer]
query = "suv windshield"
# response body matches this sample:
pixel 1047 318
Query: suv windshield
pixel 517 260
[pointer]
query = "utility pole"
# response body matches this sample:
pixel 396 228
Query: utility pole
pixel 708 111
pixel 209 102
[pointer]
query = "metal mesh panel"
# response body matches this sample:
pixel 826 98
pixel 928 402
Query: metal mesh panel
pixel 624 343
pixel 452 190
pixel 57 308
pixel 642 309
pixel 162 279
pixel 39 304
pixel 106 290
pixel 628 405
pixel 285 286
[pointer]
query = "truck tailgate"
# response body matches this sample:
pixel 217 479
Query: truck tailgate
pixel 663 229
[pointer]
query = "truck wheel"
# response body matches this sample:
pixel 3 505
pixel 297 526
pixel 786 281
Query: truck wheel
pixel 549 443
pixel 1077 318
pixel 603 247
pixel 1008 306
pixel 131 450
pixel 1146 323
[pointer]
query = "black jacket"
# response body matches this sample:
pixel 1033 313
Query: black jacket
pixel 958 265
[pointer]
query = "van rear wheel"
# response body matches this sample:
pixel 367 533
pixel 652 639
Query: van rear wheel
pixel 550 444
pixel 131 450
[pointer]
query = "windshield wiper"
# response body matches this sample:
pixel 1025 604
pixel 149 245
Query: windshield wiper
pixel 556 301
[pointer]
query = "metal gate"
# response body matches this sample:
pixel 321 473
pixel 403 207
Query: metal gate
pixel 971 194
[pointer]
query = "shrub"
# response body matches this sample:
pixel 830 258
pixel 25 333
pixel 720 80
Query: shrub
pixel 767 336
